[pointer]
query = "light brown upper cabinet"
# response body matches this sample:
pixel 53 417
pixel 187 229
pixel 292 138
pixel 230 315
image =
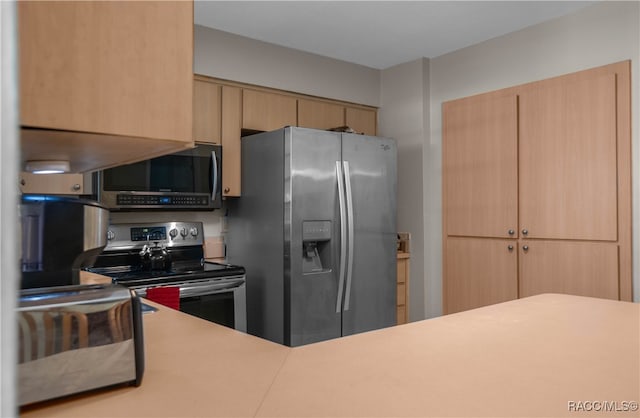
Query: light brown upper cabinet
pixel 545 168
pixel 62 184
pixel 265 111
pixel 320 115
pixel 207 112
pixel 231 149
pixel 361 120
pixel 115 78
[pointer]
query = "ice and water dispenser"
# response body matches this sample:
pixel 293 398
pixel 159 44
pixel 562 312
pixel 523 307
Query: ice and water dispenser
pixel 316 246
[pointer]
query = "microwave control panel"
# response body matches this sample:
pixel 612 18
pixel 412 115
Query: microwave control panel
pixel 162 200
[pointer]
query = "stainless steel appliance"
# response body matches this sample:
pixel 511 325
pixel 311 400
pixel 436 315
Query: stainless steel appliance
pixel 316 230
pixel 190 180
pixel 77 338
pixel 60 236
pixel 170 254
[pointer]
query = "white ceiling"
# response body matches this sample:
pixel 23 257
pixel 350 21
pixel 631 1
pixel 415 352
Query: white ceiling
pixel 377 34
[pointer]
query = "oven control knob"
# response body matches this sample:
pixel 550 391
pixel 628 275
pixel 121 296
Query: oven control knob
pixel 110 235
pixel 183 232
pixel 194 231
pixel 173 233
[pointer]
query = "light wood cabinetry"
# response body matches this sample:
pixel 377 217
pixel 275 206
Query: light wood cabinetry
pixel 402 291
pixel 480 272
pixel 64 184
pixel 544 167
pixel 320 115
pixel 591 266
pixel 325 115
pixel 361 120
pixel 265 111
pixel 114 77
pixel 568 158
pixel 207 111
pixel 231 149
pixel 222 109
pixel 217 118
pixel 481 164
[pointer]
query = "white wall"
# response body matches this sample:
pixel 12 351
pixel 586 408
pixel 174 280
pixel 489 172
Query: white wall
pixel 404 116
pixel 601 34
pixel 232 57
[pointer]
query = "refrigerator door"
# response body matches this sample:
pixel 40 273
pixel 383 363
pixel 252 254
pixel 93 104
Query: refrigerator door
pixel 312 236
pixel 370 165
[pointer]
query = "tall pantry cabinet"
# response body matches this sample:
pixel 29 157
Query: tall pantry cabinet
pixel 537 190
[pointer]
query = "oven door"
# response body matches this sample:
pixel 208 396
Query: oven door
pixel 222 303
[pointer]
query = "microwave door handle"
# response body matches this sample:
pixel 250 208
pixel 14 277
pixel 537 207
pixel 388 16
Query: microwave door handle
pixel 214 175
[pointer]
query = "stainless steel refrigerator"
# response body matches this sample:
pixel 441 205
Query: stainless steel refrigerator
pixel 315 229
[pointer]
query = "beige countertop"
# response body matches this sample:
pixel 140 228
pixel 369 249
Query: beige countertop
pixel 529 357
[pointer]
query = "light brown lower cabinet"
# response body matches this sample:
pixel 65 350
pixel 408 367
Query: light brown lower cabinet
pixel 483 271
pixel 576 268
pixel 480 272
pixel 402 297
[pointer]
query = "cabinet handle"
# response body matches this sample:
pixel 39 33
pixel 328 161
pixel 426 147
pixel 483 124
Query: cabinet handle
pixel 525 248
pixel 227 190
pixel 76 187
pixel 510 248
pixel 511 232
pixel 525 232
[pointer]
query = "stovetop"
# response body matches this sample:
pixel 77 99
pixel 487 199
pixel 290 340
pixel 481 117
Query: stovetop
pixel 137 275
pixel 121 259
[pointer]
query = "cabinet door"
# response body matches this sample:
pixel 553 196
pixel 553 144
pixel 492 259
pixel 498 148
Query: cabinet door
pixel 576 268
pixel 361 120
pixel 231 154
pixel 64 184
pixel 120 68
pixel 206 111
pixel 480 155
pixel 479 272
pixel 263 111
pixel 568 161
pixel 319 115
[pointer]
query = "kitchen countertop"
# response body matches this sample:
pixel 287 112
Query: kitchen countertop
pixel 528 357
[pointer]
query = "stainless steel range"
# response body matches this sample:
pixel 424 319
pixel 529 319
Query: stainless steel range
pixel 171 254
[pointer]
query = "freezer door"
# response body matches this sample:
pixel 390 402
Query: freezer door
pixel 312 236
pixel 370 292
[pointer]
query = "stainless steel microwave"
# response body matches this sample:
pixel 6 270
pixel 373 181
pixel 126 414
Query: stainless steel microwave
pixel 187 180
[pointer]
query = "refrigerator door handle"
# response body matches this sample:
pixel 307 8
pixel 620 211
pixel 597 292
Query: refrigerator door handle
pixel 350 223
pixel 343 235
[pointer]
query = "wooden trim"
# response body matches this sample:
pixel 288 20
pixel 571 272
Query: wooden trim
pixel 623 81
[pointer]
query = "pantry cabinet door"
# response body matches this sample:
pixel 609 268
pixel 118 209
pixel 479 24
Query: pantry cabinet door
pixel 568 158
pixel 479 272
pixel 480 156
pixel 575 268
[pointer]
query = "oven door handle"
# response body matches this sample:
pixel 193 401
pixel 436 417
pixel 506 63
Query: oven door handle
pixel 201 289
